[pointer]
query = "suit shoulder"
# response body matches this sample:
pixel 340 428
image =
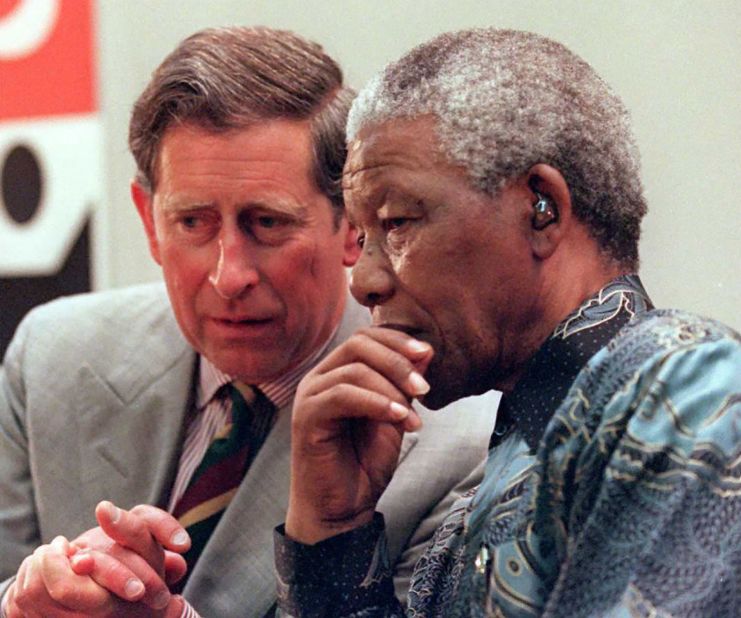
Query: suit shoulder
pixel 104 328
pixel 110 306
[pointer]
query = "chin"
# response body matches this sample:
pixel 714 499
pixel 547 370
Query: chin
pixel 438 398
pixel 234 365
pixel 446 385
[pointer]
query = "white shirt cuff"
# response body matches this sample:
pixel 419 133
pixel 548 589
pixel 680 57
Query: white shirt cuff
pixel 2 604
pixel 188 611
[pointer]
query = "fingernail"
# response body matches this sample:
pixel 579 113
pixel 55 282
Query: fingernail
pixel 134 588
pixel 27 579
pixel 110 508
pixel 113 512
pixel 180 538
pixel 417 384
pixel 161 600
pixel 77 548
pixel 399 411
pixel 417 346
pixel 414 423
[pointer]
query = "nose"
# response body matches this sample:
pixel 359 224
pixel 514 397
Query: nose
pixel 236 269
pixel 371 279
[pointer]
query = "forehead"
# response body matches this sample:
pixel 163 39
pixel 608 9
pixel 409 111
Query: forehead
pixel 401 155
pixel 278 150
pixel 404 143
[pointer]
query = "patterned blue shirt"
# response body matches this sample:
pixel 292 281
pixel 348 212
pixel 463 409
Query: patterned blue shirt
pixel 612 487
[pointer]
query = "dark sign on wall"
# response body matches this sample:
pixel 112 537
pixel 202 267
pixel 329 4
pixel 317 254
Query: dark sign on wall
pixel 50 153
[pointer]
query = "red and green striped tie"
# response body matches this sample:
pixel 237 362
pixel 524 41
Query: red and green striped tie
pixel 223 467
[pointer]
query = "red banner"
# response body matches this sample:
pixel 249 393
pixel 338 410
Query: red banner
pixel 47 58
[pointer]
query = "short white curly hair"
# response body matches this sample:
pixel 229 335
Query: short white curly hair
pixel 506 100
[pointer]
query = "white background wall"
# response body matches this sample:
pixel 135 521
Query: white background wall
pixel 676 64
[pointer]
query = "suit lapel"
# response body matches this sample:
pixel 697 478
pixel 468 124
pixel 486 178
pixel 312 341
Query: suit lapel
pixel 130 435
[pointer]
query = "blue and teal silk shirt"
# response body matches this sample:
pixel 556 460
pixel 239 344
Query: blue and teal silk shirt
pixel 612 487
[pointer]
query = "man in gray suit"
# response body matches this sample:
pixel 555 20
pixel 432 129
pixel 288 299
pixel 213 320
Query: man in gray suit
pixel 120 396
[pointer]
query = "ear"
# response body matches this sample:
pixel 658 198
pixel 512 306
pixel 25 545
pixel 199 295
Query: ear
pixel 548 182
pixel 144 202
pixel 351 251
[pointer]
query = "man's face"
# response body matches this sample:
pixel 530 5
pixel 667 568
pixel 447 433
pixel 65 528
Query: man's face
pixel 247 244
pixel 440 260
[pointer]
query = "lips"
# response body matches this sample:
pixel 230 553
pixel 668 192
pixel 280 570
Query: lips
pixel 244 326
pixel 238 321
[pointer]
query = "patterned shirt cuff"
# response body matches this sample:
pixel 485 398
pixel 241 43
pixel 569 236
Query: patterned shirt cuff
pixel 347 572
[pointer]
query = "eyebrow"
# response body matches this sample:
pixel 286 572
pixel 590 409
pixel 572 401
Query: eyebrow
pixel 182 202
pixel 287 208
pixel 277 204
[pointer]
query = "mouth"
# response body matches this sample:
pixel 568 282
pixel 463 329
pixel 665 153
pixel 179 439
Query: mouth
pixel 242 321
pixel 244 325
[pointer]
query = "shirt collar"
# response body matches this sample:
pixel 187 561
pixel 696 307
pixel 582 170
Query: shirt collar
pixel 279 391
pixel 554 367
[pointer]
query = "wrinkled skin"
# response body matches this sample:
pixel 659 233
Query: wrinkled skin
pixel 120 568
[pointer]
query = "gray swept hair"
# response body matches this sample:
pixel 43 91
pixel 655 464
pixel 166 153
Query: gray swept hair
pixel 229 78
pixel 506 100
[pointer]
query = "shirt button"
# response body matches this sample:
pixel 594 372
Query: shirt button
pixel 482 560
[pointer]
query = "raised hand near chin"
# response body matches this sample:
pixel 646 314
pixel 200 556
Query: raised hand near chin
pixel 349 417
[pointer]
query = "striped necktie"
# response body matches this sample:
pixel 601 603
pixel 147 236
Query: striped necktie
pixel 227 459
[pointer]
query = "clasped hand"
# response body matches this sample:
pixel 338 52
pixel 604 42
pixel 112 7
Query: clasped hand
pixel 121 568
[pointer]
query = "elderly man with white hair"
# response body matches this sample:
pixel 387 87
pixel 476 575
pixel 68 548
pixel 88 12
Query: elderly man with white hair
pixel 494 184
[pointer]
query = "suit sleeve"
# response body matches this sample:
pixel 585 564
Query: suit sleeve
pixel 19 532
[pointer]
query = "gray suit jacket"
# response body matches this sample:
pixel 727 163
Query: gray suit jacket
pixel 93 394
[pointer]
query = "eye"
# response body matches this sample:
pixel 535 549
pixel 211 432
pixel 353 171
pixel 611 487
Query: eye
pixel 194 226
pixel 394 223
pixel 268 222
pixel 190 222
pixel 361 239
pixel 269 227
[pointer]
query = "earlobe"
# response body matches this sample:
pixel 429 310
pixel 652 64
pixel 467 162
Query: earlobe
pixel 144 205
pixel 351 251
